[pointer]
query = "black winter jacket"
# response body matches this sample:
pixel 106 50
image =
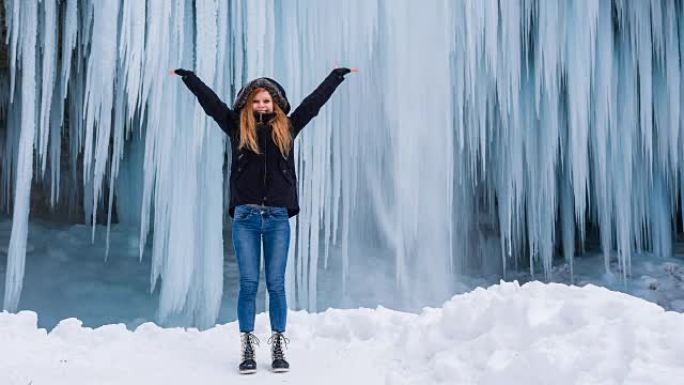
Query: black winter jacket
pixel 267 178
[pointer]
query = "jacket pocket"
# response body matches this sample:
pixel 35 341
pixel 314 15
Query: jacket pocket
pixel 240 166
pixel 287 174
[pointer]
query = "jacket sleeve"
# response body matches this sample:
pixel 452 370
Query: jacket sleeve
pixel 225 117
pixel 310 106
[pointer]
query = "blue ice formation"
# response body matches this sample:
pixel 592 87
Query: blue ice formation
pixel 478 134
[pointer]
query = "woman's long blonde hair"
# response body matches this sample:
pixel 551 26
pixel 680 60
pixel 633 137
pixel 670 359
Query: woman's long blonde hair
pixel 280 133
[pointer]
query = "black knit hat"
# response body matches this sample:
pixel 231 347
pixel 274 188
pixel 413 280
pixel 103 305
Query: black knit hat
pixel 276 90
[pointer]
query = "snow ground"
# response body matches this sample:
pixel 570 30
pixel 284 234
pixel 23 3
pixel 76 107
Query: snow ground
pixel 506 334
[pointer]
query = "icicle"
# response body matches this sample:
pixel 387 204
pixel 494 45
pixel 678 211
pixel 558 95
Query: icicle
pixel 673 74
pixel 12 15
pixel 579 59
pixel 622 152
pixel 603 118
pixel 99 96
pixel 16 255
pixel 117 151
pixel 55 143
pixel 69 34
pixel 130 56
pixel 49 49
pixel 204 296
pixel 132 51
pixel 156 168
pixel 546 76
pixel 640 19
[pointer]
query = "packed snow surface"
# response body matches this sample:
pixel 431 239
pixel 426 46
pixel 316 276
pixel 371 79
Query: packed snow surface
pixel 506 334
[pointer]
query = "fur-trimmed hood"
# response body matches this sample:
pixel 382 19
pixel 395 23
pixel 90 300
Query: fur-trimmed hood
pixel 276 90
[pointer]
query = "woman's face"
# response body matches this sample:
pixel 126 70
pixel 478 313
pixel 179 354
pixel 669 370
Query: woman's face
pixel 262 102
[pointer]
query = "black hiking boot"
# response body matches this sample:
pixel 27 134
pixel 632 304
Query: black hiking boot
pixel 278 342
pixel 248 364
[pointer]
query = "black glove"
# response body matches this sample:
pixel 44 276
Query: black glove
pixel 182 72
pixel 341 71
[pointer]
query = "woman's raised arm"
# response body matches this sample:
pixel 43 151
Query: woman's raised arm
pixel 310 106
pixel 210 102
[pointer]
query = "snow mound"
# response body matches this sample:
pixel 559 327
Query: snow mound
pixel 506 334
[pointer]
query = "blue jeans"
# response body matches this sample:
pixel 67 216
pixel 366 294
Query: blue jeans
pixel 250 226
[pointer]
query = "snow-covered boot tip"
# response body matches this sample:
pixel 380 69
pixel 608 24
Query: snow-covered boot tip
pixel 248 364
pixel 278 342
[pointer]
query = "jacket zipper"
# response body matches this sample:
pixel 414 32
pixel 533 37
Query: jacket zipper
pixel 261 121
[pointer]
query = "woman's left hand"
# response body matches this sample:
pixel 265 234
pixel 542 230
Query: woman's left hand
pixel 341 71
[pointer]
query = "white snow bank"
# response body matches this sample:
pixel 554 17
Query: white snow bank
pixel 506 334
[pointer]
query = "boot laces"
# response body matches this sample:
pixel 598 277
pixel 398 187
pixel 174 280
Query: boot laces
pixel 249 340
pixel 278 340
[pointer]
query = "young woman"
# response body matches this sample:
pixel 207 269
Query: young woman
pixel 263 192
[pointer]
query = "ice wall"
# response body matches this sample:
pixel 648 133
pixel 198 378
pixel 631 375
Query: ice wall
pixel 479 135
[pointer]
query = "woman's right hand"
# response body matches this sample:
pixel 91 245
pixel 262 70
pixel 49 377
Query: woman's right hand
pixel 182 72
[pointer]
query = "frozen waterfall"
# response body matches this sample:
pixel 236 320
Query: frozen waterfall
pixel 479 135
